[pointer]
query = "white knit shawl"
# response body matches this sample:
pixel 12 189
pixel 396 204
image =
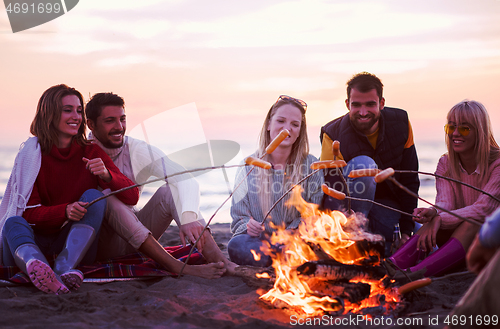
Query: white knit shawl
pixel 21 181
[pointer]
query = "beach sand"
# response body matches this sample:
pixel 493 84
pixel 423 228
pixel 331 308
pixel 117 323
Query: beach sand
pixel 191 302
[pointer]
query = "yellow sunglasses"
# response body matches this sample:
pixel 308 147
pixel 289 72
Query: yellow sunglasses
pixel 462 130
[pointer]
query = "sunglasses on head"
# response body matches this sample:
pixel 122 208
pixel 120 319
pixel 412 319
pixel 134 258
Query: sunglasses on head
pixel 295 100
pixel 462 130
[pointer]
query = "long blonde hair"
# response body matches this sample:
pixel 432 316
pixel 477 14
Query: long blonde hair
pixel 294 170
pixel 473 113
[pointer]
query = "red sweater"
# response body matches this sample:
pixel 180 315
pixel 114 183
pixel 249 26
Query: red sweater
pixel 63 178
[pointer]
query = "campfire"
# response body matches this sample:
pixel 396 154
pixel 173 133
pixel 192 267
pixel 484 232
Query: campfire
pixel 328 265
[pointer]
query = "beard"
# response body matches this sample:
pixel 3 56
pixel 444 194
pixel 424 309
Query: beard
pixel 366 126
pixel 108 143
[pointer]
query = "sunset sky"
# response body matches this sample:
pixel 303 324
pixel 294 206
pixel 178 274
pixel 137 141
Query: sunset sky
pixel 228 61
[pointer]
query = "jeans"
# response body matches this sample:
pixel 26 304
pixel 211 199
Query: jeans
pixel 361 187
pixel 239 248
pixel 383 220
pixel 17 232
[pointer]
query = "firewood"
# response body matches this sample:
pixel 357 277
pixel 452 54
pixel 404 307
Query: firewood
pixel 354 292
pixel 256 277
pixel 332 270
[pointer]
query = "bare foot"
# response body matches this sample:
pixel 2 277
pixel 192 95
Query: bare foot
pixel 207 271
pixel 230 267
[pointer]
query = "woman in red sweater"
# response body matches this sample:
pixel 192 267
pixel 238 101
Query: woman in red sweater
pixel 56 220
pixel 473 157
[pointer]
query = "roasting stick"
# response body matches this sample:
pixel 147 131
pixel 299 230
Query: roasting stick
pixel 387 174
pixel 340 196
pixel 451 180
pixel 316 166
pixel 406 288
pixel 336 153
pixel 373 172
pixel 249 161
pixel 160 179
pixel 153 181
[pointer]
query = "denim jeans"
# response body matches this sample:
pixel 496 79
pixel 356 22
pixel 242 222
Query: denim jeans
pixel 239 248
pixel 361 187
pixel 383 220
pixel 17 232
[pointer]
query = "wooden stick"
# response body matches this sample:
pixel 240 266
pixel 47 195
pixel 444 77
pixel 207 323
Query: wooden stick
pixel 404 188
pixel 284 194
pixel 160 179
pixel 450 179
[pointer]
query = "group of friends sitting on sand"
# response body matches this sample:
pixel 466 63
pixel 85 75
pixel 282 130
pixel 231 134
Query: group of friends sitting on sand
pixel 47 210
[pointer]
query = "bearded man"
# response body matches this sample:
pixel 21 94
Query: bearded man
pixel 372 136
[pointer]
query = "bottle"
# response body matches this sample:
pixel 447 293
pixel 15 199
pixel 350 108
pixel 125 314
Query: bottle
pixel 396 239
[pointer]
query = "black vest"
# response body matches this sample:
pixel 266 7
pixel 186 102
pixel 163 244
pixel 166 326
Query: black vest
pixel 393 135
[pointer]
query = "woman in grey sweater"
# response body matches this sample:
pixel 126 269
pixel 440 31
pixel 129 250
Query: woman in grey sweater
pixel 252 200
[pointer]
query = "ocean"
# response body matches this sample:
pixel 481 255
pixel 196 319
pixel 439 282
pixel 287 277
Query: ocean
pixel 216 185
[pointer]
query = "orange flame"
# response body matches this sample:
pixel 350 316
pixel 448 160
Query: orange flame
pixel 256 256
pixel 325 230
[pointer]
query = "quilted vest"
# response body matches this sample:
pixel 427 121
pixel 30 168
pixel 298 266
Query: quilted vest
pixel 393 135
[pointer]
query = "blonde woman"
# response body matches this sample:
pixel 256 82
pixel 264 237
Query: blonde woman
pixel 291 161
pixel 473 157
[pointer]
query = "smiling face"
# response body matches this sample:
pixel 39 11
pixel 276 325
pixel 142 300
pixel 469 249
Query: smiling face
pixel 288 117
pixel 70 120
pixel 364 110
pixel 462 144
pixel 110 126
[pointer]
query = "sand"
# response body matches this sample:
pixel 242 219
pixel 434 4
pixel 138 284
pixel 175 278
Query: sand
pixel 191 302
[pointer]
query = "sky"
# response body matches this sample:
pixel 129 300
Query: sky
pixel 227 62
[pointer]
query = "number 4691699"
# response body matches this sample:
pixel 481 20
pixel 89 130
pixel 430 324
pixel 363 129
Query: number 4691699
pixel 471 320
pixel 40 8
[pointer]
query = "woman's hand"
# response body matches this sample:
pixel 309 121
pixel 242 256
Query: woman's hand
pixel 424 215
pixel 97 167
pixel 254 228
pixel 428 233
pixel 75 211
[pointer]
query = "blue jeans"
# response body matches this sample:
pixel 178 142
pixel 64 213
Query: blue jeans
pixel 383 220
pixel 239 248
pixel 361 187
pixel 17 232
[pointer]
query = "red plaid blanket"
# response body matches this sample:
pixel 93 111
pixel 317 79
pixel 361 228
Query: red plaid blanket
pixel 128 266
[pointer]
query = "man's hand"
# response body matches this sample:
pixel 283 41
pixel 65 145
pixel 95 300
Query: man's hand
pixel 254 228
pixel 75 211
pixel 478 256
pixel 424 215
pixel 97 167
pixel 190 232
pixel 428 233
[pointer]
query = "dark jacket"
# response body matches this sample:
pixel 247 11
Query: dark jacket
pixel 390 151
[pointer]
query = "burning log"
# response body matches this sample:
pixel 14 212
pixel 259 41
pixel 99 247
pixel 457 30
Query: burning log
pixel 331 270
pixel 256 277
pixel 354 292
